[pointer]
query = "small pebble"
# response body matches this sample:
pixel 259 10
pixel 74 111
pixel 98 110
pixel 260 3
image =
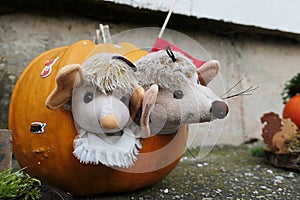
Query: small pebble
pixel 279 178
pixel 184 158
pixel 263 187
pixel 218 191
pixel 290 175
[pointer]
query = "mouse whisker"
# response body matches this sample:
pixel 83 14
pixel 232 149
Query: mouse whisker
pixel 236 84
pixel 245 92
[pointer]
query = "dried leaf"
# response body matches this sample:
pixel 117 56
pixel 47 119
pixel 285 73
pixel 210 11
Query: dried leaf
pixel 288 131
pixel 273 125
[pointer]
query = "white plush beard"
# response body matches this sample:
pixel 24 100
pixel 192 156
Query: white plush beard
pixel 112 151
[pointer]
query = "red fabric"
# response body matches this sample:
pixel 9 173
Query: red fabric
pixel 161 44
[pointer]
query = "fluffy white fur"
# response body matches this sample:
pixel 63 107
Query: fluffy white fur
pixel 110 151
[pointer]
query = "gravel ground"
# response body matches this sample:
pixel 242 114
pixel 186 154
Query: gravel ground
pixel 228 172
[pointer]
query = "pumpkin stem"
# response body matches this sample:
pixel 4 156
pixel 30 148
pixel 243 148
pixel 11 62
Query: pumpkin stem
pixel 102 35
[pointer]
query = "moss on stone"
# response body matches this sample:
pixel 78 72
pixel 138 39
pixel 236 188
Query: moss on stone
pixel 6 84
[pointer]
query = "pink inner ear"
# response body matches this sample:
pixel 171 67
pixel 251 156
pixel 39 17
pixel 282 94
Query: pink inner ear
pixel 67 78
pixel 136 101
pixel 148 106
pixel 201 79
pixel 208 71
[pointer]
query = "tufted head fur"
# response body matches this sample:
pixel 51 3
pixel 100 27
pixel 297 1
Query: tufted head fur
pixel 159 68
pixel 108 72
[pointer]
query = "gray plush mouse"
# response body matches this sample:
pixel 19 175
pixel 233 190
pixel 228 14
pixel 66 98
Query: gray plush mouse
pixel 182 95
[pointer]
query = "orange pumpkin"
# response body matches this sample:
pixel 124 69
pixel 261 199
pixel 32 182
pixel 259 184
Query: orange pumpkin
pixel 292 110
pixel 48 156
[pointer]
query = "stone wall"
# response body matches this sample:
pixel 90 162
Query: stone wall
pixel 266 58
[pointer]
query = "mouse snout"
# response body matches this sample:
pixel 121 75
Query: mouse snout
pixel 219 109
pixel 109 122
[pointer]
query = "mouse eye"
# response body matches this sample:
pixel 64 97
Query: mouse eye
pixel 198 82
pixel 88 97
pixel 178 94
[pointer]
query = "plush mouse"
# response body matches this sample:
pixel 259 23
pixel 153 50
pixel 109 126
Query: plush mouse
pixel 182 95
pixel 104 96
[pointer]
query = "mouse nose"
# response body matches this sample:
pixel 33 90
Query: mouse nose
pixel 110 121
pixel 219 109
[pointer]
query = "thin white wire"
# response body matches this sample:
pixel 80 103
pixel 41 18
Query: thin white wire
pixel 167 19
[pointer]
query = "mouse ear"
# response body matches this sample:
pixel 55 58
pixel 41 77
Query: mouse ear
pixel 148 106
pixel 136 100
pixel 208 71
pixel 67 78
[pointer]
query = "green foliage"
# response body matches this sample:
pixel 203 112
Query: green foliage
pixel 291 88
pixel 18 184
pixel 293 145
pixel 258 152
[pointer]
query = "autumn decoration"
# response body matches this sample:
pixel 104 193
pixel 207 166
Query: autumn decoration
pixel 282 135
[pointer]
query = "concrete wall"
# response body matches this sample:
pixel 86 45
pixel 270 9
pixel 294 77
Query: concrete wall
pixel 269 14
pixel 264 60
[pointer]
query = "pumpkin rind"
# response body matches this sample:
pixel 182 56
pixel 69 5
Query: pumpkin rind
pixel 48 156
pixel 292 110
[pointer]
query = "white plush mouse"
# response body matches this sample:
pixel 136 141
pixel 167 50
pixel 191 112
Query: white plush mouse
pixel 104 96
